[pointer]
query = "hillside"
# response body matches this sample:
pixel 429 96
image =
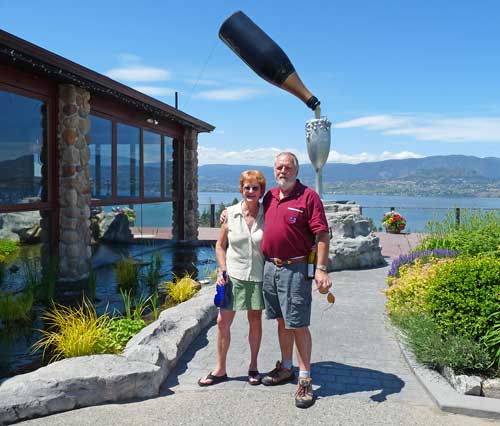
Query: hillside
pixel 451 175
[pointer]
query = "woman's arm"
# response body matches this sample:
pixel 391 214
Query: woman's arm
pixel 220 253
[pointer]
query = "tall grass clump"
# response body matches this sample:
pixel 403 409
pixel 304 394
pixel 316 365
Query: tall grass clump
pixel 16 308
pixel 180 289
pixel 74 331
pixel 153 270
pixel 127 273
pixel 492 339
pixel 478 232
pixel 436 349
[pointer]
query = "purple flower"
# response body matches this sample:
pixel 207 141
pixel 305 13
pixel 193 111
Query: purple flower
pixel 407 259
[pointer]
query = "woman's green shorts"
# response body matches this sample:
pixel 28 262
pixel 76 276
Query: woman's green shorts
pixel 243 295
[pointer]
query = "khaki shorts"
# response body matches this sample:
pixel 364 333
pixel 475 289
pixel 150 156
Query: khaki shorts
pixel 288 293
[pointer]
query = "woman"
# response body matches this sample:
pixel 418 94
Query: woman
pixel 241 265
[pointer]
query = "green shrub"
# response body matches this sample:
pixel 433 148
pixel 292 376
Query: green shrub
pixel 181 289
pixel 477 233
pixel 492 339
pixel 435 349
pixel 463 294
pixel 127 273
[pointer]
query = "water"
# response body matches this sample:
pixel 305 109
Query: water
pixel 417 210
pixel 15 343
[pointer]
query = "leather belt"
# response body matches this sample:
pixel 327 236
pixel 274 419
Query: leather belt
pixel 281 262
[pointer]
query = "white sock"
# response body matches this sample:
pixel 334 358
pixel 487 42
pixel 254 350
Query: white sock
pixel 304 374
pixel 286 363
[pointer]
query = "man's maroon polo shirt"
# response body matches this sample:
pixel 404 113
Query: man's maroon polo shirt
pixel 292 222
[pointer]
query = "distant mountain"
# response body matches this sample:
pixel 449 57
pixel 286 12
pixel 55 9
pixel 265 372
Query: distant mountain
pixel 437 175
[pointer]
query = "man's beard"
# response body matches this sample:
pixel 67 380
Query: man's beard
pixel 286 184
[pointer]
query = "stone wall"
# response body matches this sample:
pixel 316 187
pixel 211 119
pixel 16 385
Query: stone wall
pixel 190 189
pixel 74 183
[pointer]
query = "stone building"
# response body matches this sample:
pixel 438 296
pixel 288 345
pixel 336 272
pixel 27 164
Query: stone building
pixel 72 139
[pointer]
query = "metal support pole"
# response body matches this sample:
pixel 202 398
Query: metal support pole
pixel 319 182
pixel 212 215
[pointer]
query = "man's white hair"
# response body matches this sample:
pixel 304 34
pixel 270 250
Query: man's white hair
pixel 289 154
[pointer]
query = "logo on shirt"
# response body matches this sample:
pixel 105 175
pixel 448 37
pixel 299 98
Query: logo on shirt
pixel 292 219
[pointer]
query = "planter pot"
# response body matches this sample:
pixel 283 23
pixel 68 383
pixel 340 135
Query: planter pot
pixel 393 231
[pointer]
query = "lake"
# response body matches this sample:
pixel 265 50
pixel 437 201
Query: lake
pixel 417 210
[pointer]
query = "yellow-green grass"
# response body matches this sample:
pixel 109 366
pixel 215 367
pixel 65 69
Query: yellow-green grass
pixel 181 289
pixel 74 331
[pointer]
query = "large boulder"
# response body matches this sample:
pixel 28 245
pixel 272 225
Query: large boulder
pixel 352 243
pixel 22 227
pixel 118 230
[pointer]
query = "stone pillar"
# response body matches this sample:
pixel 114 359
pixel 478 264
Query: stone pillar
pixel 190 189
pixel 74 183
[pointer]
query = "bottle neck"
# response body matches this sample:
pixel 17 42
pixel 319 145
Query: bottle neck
pixel 294 85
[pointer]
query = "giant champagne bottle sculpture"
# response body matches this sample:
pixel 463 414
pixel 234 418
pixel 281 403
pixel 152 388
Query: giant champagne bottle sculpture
pixel 265 57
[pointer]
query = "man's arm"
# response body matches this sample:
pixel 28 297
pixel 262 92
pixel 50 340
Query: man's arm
pixel 321 277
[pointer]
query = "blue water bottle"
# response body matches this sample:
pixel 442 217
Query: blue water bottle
pixel 220 294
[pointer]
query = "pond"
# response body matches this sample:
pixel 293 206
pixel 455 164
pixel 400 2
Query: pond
pixel 16 340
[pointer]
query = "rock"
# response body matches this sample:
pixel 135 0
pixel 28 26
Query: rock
pixel 119 230
pixel 491 388
pixel 76 382
pixel 21 226
pixel 466 385
pixel 352 244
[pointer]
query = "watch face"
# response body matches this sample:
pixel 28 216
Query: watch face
pixel 322 267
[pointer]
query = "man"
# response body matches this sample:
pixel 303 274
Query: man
pixel 294 220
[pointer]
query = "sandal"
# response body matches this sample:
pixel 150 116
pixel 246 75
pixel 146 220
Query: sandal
pixel 254 377
pixel 213 380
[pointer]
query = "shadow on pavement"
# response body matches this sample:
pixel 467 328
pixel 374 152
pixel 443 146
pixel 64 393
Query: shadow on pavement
pixel 334 378
pixel 182 364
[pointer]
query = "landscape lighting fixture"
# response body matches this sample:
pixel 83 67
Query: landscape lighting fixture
pixel 153 121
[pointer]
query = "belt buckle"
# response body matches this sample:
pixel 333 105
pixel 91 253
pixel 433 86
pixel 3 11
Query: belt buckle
pixel 278 262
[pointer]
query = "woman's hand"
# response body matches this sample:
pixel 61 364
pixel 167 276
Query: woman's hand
pixel 223 216
pixel 221 278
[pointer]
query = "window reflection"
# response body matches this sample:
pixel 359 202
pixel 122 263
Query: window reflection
pixel 152 164
pixel 101 134
pixel 169 161
pixel 23 149
pixel 128 160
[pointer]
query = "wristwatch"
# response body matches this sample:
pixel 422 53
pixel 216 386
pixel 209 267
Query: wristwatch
pixel 323 268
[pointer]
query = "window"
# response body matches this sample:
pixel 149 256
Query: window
pixel 128 161
pixel 169 165
pixel 101 133
pixel 152 164
pixel 23 149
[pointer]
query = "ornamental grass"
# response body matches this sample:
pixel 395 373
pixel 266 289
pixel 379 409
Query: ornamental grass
pixel 74 331
pixel 181 289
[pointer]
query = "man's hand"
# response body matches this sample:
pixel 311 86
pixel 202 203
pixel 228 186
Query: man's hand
pixel 323 281
pixel 223 216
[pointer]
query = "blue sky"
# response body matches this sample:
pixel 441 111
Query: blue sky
pixel 397 79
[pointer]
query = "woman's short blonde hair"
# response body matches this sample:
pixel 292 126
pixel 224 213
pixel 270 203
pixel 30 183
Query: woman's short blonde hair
pixel 251 175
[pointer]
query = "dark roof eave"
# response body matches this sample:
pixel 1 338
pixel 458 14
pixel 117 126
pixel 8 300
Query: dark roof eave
pixel 65 70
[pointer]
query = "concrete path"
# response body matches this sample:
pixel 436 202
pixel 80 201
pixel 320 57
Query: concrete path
pixel 359 374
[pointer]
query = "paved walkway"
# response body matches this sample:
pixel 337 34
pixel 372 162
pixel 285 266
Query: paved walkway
pixel 359 374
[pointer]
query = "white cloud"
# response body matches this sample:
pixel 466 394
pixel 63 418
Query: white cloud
pixel 465 129
pixel 155 90
pixel 265 156
pixel 227 94
pixel 138 73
